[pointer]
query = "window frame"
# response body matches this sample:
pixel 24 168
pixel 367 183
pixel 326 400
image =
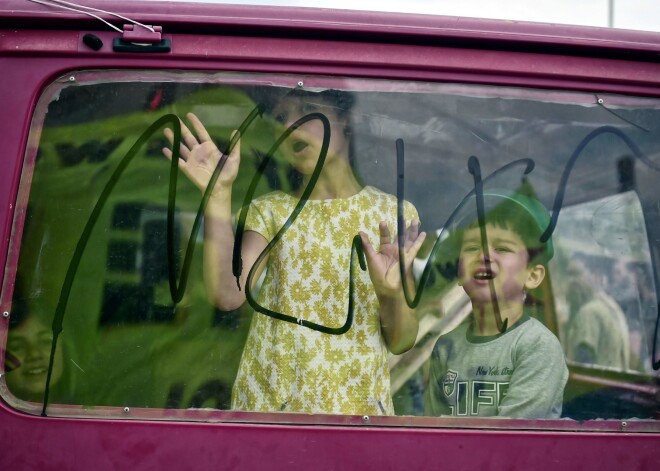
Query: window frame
pixel 575 59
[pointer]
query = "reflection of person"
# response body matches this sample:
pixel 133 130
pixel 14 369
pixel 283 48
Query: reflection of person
pixel 286 366
pixel 597 332
pixel 623 285
pixel 643 275
pixel 29 343
pixel 476 370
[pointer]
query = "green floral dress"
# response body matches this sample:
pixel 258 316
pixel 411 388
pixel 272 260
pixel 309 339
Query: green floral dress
pixel 289 367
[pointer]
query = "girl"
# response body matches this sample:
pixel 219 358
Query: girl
pixel 286 366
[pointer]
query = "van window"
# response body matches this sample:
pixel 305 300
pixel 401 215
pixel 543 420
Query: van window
pixel 109 308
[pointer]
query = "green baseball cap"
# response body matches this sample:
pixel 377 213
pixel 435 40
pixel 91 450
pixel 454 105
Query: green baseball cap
pixel 502 202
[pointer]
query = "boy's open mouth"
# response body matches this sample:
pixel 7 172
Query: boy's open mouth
pixel 483 275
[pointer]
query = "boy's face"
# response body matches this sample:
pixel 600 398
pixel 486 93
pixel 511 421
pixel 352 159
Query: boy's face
pixel 508 268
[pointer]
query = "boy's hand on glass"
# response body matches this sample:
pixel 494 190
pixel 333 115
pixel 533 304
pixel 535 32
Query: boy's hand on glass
pixel 384 264
pixel 199 156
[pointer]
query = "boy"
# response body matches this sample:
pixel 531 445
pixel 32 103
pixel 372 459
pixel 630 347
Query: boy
pixel 476 370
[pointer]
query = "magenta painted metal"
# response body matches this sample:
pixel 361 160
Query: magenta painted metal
pixel 37 46
pixel 344 24
pixel 36 443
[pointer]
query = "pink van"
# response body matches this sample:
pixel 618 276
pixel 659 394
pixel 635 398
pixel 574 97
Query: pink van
pixel 112 353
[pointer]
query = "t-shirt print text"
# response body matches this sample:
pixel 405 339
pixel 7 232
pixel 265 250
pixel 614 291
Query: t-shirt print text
pixel 494 371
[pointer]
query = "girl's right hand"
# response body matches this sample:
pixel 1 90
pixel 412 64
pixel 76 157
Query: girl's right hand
pixel 199 156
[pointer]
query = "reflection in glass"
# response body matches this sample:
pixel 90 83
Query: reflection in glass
pixel 27 356
pixel 133 346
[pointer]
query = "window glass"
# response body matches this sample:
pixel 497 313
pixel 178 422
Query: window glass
pixel 540 216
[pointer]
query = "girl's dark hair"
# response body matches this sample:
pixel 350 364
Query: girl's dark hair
pixel 342 101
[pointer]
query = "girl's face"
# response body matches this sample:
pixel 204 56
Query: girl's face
pixel 28 354
pixel 507 270
pixel 303 146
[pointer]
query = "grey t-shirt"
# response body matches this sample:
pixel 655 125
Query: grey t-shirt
pixel 520 373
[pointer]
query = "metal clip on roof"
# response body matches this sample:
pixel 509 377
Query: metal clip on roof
pixel 135 34
pixel 138 39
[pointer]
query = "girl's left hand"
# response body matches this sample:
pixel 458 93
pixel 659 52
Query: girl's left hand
pixel 384 264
